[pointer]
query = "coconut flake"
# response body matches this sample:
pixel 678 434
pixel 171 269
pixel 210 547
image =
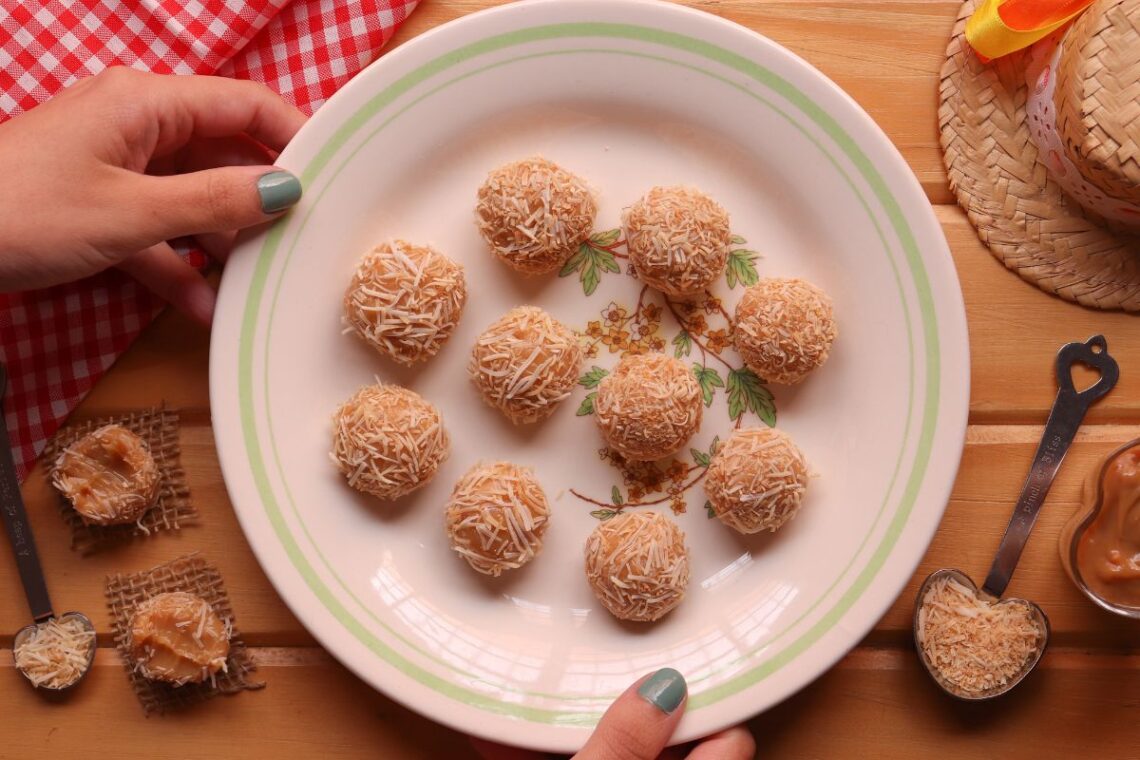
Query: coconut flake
pixel 678 239
pixel 525 364
pixel 534 214
pixel 784 329
pixel 648 406
pixel 55 654
pixel 405 300
pixel 976 645
pixel 388 441
pixel 638 565
pixel 496 517
pixel 756 480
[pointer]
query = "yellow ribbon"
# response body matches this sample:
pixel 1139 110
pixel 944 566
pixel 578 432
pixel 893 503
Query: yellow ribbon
pixel 999 27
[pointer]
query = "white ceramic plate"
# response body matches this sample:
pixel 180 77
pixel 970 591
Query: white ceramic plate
pixel 628 95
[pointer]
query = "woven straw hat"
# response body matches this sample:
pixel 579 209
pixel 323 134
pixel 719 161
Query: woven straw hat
pixel 1043 152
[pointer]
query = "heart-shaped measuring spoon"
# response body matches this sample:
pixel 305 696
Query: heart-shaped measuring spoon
pixel 45 663
pixel 1068 411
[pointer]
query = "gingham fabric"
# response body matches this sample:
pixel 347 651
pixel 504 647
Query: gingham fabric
pixel 57 342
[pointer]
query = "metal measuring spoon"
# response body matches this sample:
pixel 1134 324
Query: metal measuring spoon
pixel 1068 411
pixel 24 548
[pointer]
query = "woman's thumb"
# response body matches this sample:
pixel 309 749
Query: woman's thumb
pixel 217 200
pixel 638 725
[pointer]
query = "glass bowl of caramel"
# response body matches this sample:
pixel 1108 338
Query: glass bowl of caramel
pixel 1100 545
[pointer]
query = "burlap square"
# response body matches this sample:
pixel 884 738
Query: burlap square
pixel 192 573
pixel 159 428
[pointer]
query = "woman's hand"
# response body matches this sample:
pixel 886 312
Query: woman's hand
pixel 106 172
pixel 638 726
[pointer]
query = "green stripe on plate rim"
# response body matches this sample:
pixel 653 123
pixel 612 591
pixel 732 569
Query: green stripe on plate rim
pixel 678 42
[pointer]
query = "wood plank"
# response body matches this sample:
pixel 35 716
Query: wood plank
pixel 1016 330
pixel 993 468
pixel 880 704
pixel 1075 705
pixel 311 707
pixel 168 364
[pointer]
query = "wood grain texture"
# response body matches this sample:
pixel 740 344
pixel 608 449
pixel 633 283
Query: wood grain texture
pixel 874 703
pixel 311 708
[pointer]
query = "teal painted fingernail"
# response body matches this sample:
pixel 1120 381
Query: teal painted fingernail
pixel 665 690
pixel 278 190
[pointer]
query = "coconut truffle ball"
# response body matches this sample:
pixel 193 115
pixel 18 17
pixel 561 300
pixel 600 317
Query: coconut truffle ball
pixel 525 364
pixel 638 565
pixel 756 480
pixel 534 214
pixel 405 300
pixel 108 475
pixel 784 329
pixel 648 406
pixel 388 441
pixel 496 517
pixel 678 240
pixel 177 637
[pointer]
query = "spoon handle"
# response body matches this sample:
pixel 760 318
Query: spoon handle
pixel 1068 411
pixel 16 522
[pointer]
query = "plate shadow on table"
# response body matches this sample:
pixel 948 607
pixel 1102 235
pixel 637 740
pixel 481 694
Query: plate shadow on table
pixel 926 704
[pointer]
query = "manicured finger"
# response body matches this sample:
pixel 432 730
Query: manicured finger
pixel 731 744
pixel 205 106
pixel 164 273
pixel 640 722
pixel 209 153
pixel 214 200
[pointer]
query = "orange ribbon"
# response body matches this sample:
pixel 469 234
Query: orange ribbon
pixel 999 27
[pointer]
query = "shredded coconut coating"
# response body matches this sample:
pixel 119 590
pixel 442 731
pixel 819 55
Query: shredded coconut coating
pixel 784 329
pixel 525 364
pixel 638 565
pixel 108 475
pixel 388 441
pixel 678 239
pixel 177 637
pixel 497 516
pixel 756 480
pixel 977 646
pixel 534 214
pixel 648 407
pixel 405 300
pixel 55 655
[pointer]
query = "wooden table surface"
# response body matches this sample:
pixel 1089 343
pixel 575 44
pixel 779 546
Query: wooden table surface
pixel 874 703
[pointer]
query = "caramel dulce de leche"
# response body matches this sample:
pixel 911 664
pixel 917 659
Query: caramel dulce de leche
pixel 109 476
pixel 1108 553
pixel 178 638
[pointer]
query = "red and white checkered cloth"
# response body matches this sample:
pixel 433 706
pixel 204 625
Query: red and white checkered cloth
pixel 59 341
